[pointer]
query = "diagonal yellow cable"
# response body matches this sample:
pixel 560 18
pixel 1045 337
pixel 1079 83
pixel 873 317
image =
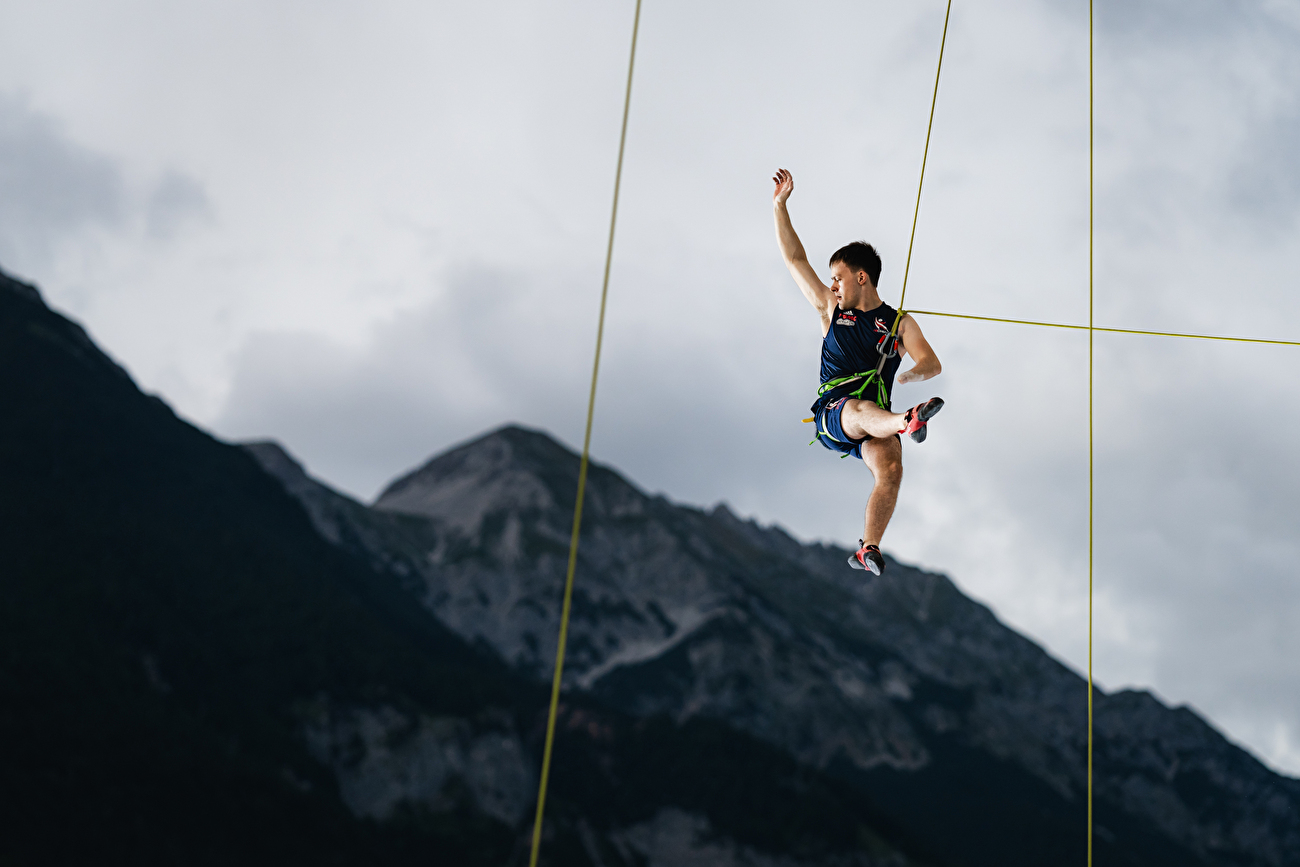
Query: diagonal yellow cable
pixel 925 155
pixel 920 185
pixel 1199 336
pixel 582 467
pixel 1041 324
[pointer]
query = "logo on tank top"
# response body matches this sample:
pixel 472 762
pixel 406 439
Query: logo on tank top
pixel 881 326
pixel 847 318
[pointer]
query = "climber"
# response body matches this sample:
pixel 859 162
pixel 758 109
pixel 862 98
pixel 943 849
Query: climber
pixel 863 343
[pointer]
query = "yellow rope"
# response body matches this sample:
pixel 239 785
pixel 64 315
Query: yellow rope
pixel 1106 329
pixel 582 468
pixel 925 155
pixel 1199 336
pixel 1091 335
pixel 916 213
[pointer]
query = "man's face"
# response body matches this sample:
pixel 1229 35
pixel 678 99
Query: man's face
pixel 847 284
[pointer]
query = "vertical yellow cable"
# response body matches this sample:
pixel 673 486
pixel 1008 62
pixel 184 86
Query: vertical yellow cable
pixel 1091 336
pixel 582 468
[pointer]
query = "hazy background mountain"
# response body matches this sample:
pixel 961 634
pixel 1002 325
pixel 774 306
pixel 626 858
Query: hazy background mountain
pixel 205 656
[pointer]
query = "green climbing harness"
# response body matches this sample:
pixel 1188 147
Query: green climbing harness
pixel 871 376
pixel 868 378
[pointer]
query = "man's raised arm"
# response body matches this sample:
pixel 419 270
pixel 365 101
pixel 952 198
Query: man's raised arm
pixel 817 292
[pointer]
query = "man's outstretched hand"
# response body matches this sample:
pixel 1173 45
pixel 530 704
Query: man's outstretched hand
pixel 784 186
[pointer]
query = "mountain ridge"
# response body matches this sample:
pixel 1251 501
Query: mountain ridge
pixel 679 611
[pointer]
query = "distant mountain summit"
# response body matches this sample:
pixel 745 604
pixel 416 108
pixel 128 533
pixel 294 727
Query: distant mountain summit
pixel 963 733
pixel 459 488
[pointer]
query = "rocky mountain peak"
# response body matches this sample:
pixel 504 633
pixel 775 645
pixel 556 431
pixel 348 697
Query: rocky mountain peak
pixel 512 470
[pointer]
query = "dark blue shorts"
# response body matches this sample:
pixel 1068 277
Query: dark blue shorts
pixel 831 434
pixel 828 422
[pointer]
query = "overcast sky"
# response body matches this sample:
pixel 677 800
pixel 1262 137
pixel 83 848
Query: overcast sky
pixel 372 231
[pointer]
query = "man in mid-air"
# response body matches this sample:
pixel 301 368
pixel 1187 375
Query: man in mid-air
pixel 861 352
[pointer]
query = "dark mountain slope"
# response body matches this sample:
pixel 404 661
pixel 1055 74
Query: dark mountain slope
pixel 165 604
pixel 964 734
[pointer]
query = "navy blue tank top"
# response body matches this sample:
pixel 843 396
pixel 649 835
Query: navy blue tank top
pixel 849 347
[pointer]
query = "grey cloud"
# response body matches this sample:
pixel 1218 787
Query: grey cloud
pixel 176 202
pixel 1198 95
pixel 50 187
pixel 1265 184
pixel 1188 23
pixel 53 190
pixel 436 375
pixel 429 377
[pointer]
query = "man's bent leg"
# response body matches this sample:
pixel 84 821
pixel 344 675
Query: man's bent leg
pixel 884 457
pixel 863 418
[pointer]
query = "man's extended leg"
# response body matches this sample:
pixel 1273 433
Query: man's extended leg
pixel 884 457
pixel 862 418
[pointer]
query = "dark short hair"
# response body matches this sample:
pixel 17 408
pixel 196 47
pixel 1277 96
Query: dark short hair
pixel 860 256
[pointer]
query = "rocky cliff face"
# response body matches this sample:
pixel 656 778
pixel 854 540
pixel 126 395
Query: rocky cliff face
pixel 967 735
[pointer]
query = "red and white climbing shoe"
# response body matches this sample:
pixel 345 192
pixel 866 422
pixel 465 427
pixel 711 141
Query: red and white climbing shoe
pixel 868 557
pixel 915 419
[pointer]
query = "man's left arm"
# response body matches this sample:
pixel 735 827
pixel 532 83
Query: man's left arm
pixel 927 364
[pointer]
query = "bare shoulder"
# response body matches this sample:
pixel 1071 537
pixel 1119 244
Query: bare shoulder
pixel 913 341
pixel 909 328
